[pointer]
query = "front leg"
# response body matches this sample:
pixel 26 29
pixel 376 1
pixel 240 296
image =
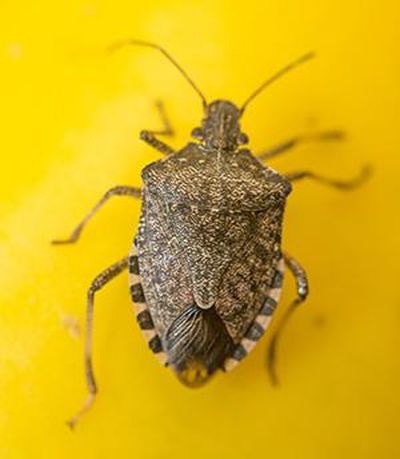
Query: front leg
pixel 340 184
pixel 150 136
pixel 294 141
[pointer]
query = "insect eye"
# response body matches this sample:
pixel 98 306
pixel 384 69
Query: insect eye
pixel 197 133
pixel 243 139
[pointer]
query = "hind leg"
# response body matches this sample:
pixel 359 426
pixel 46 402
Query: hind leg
pixel 302 292
pixel 101 280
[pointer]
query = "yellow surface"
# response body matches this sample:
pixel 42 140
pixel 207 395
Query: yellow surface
pixel 70 117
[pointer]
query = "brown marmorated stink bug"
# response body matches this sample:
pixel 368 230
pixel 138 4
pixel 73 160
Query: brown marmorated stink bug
pixel 206 265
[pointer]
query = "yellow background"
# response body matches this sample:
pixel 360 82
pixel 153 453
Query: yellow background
pixel 70 117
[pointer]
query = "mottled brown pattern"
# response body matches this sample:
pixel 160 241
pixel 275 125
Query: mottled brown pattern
pixel 208 243
pixel 209 234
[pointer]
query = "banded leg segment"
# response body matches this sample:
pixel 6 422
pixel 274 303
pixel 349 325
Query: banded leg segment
pixel 340 184
pixel 150 136
pixel 122 190
pixel 294 141
pixel 261 322
pixel 143 316
pixel 302 293
pixel 101 280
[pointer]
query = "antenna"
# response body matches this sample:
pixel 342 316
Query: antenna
pixel 281 72
pixel 120 44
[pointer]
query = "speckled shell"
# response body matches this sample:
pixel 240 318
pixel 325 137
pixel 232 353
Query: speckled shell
pixel 209 233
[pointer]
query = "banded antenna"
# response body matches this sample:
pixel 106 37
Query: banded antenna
pixel 120 44
pixel 281 72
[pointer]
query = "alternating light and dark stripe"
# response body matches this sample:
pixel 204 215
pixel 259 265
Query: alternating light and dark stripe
pixel 261 322
pixel 143 316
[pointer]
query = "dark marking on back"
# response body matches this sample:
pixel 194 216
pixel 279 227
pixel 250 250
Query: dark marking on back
pixel 268 307
pixel 239 353
pixel 144 320
pixel 137 293
pixel 255 332
pixel 277 280
pixel 155 344
pixel 133 264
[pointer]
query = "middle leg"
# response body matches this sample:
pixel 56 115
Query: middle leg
pixel 122 190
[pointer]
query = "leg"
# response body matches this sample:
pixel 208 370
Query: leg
pixel 116 191
pixel 284 146
pixel 149 136
pixel 102 279
pixel 341 184
pixel 302 292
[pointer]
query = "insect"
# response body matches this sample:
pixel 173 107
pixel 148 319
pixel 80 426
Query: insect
pixel 206 266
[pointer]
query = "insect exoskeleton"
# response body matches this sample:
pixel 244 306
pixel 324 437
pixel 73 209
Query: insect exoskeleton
pixel 206 267
pixel 208 247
